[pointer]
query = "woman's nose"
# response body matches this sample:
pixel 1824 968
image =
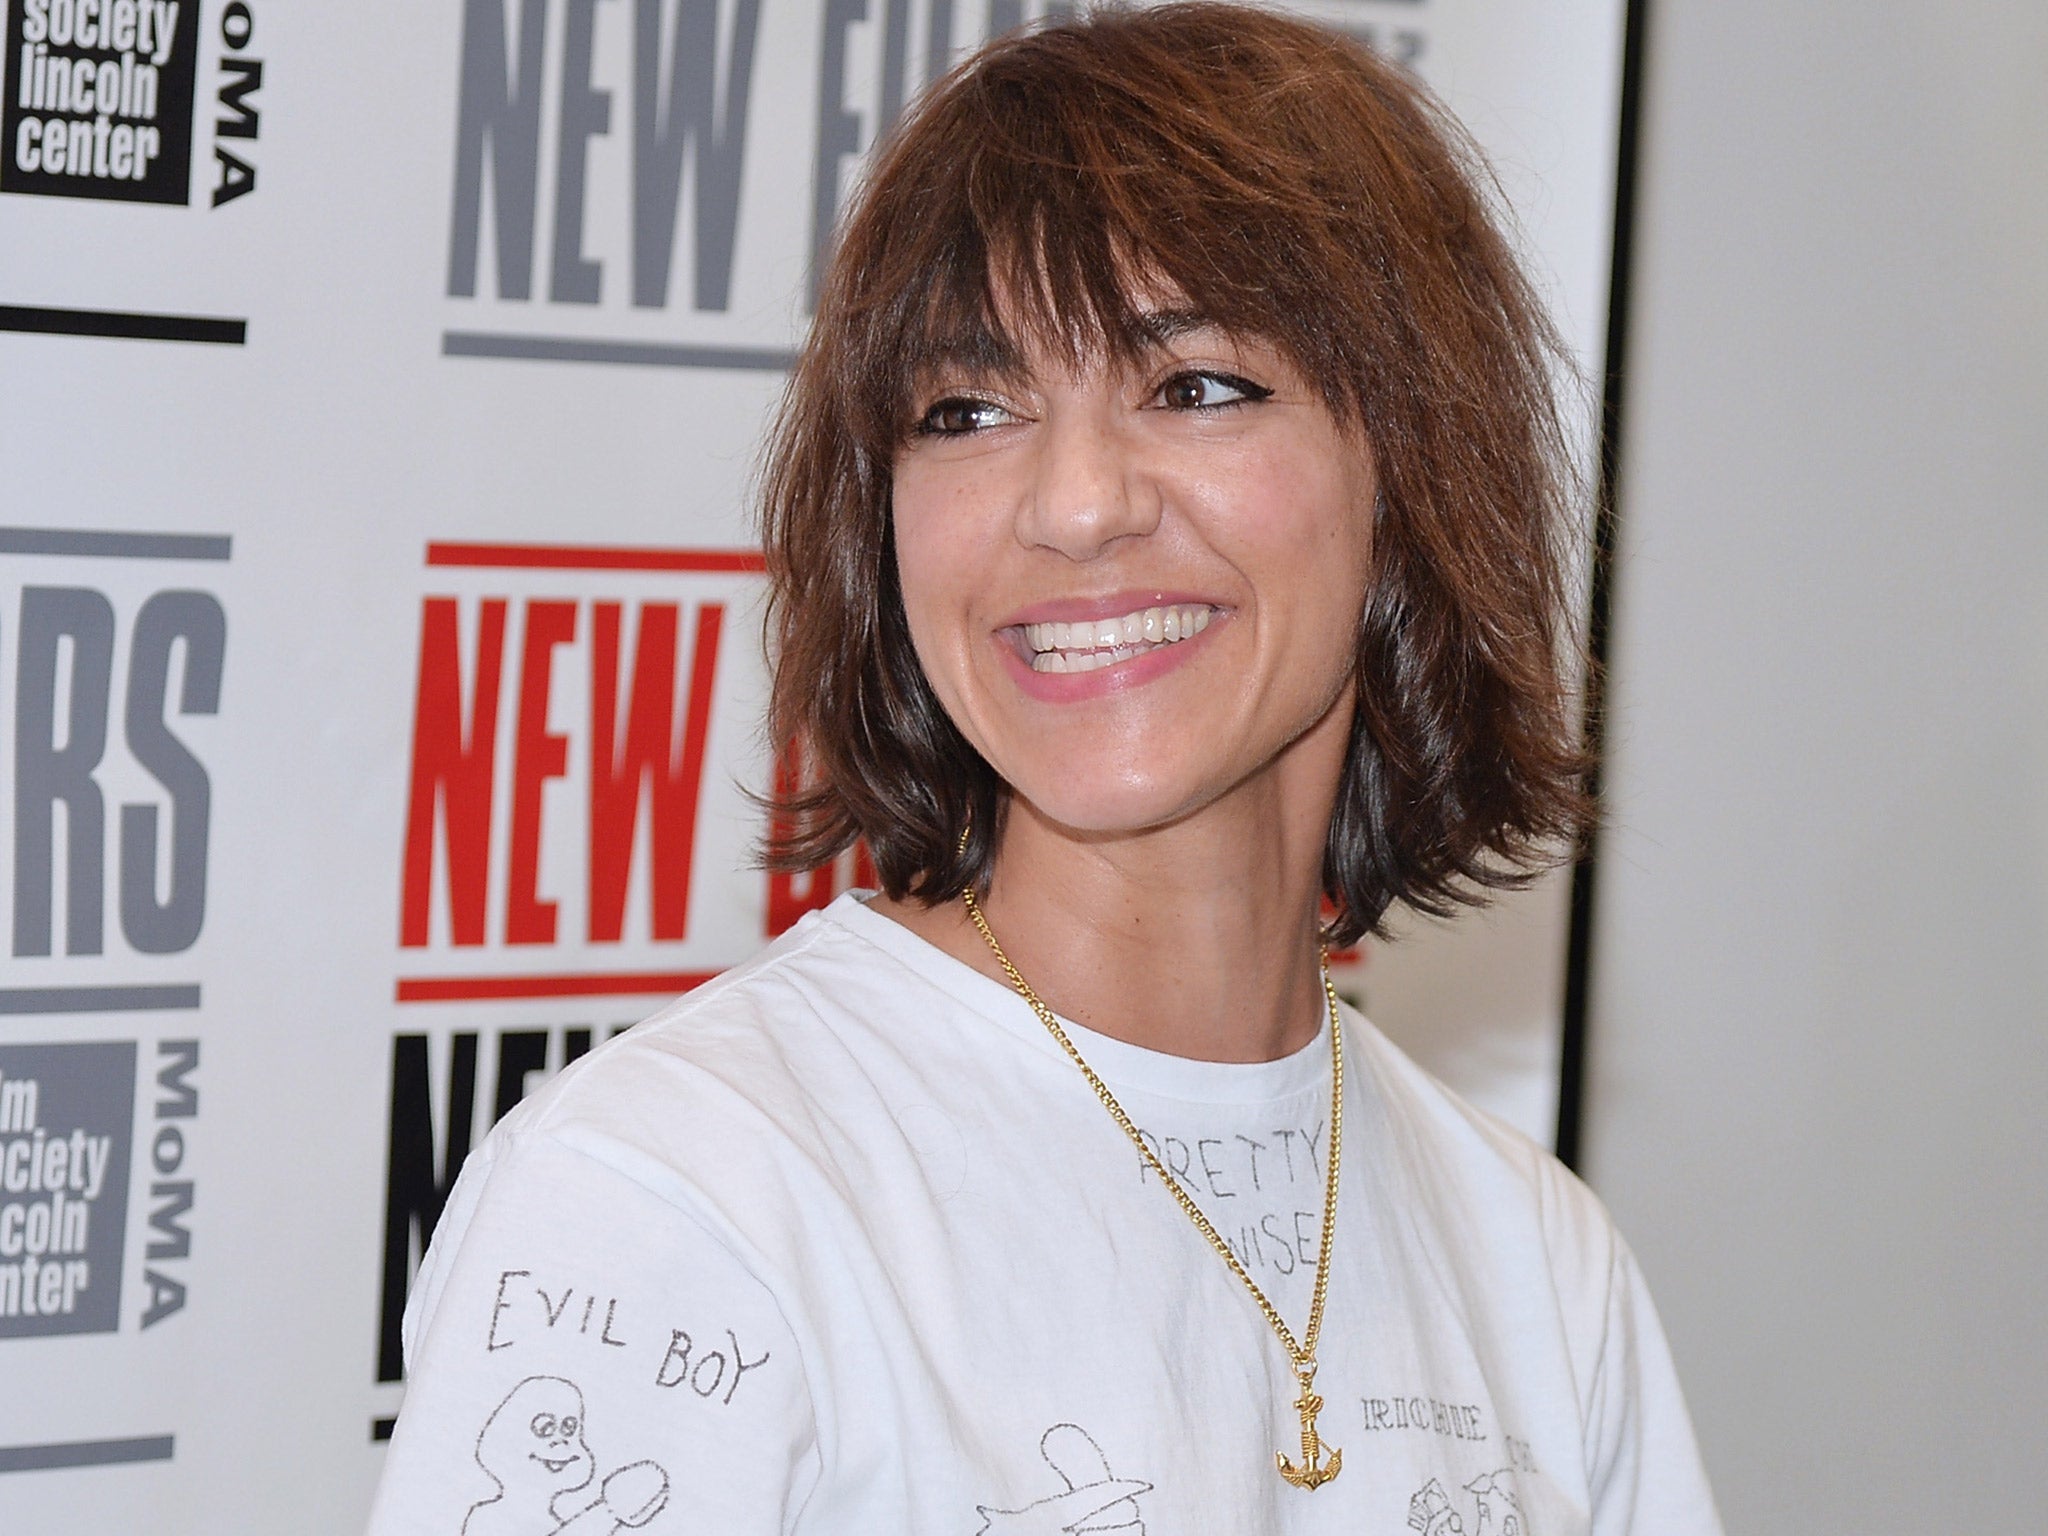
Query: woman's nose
pixel 1090 486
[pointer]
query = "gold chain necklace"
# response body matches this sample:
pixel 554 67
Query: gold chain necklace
pixel 1313 1471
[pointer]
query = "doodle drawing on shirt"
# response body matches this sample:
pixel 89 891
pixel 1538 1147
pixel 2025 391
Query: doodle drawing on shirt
pixel 1092 1498
pixel 534 1450
pixel 1498 1512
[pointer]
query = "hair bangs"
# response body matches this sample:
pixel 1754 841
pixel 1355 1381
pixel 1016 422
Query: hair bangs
pixel 1055 214
pixel 1049 272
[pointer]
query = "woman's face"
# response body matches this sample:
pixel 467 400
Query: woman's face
pixel 1136 591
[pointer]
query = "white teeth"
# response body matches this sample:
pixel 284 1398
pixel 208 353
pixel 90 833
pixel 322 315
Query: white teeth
pixel 1087 644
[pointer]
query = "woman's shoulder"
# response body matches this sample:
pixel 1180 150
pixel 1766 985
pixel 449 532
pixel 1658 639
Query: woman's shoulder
pixel 720 1109
pixel 756 1070
pixel 1473 1165
pixel 757 1030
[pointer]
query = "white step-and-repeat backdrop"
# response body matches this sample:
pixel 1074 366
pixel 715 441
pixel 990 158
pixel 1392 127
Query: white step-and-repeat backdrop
pixel 379 643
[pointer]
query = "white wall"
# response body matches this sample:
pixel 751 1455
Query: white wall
pixel 1821 1021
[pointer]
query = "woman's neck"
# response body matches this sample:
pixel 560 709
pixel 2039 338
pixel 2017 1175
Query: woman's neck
pixel 1197 939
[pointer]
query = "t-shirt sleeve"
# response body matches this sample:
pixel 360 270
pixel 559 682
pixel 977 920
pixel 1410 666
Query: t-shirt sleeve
pixel 1646 1476
pixel 584 1356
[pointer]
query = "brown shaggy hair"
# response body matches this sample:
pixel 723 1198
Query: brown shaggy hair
pixel 1295 188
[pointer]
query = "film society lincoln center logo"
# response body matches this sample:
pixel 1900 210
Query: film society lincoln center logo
pixel 99 99
pixel 66 1118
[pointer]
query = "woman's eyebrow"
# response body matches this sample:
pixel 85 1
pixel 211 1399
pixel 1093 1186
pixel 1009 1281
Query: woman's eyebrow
pixel 978 351
pixel 1157 327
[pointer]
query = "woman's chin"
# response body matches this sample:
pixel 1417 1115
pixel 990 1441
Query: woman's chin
pixel 1100 811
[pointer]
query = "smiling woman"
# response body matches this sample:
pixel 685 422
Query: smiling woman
pixel 1174 206
pixel 1042 520
pixel 1168 531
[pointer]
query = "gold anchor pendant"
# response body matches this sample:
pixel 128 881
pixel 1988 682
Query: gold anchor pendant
pixel 1313 1471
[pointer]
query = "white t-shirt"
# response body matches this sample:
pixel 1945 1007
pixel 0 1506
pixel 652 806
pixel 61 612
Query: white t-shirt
pixel 843 1242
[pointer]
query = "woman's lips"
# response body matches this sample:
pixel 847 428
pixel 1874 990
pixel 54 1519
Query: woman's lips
pixel 1067 661
pixel 1088 644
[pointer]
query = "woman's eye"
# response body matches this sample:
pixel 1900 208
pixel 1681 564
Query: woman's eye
pixel 1205 391
pixel 958 415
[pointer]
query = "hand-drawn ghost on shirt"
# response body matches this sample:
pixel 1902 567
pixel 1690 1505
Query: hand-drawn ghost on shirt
pixel 533 1448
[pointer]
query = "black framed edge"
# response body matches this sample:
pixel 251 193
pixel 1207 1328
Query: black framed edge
pixel 1578 974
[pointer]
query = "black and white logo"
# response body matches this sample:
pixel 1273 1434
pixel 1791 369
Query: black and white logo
pixel 99 99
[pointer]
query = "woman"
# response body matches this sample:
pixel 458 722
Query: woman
pixel 1166 532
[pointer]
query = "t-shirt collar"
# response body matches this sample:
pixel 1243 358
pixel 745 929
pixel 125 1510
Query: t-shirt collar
pixel 1123 1066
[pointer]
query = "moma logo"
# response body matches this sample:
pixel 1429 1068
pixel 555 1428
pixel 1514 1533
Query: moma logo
pixel 66 1121
pixel 99 99
pixel 630 162
pixel 66 1116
